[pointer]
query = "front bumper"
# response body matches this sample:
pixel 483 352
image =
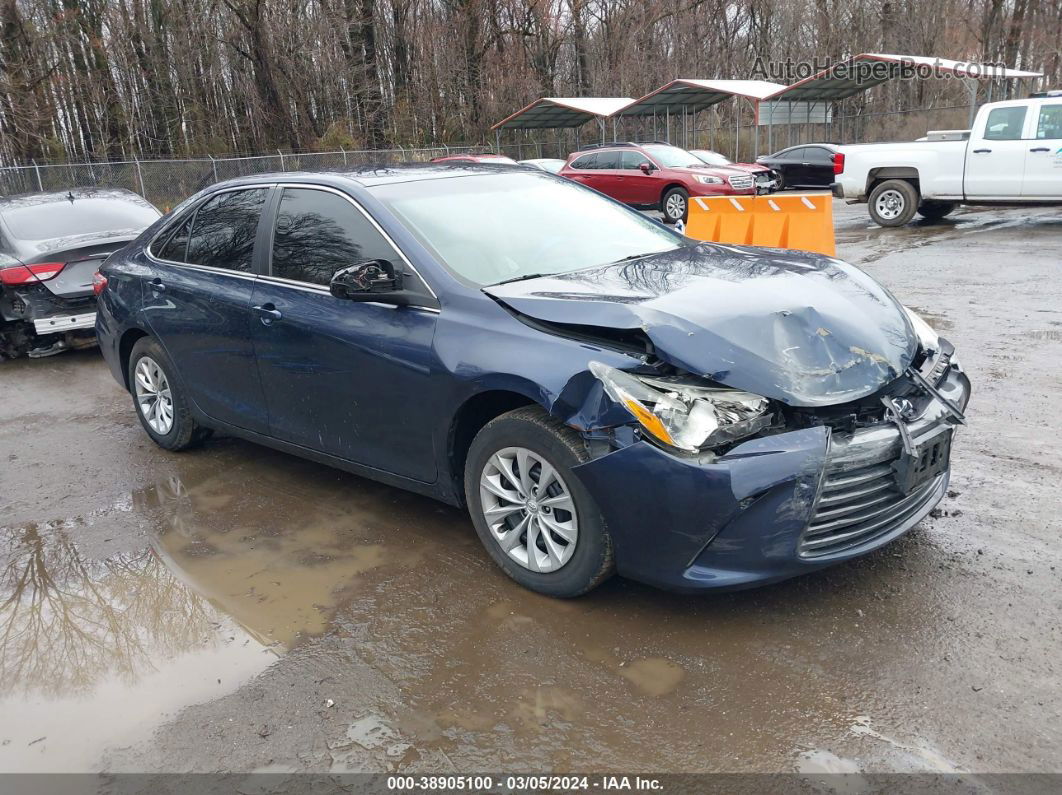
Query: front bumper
pixel 770 509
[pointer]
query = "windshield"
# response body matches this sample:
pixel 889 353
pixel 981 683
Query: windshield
pixel 82 216
pixel 712 158
pixel 493 228
pixel 671 156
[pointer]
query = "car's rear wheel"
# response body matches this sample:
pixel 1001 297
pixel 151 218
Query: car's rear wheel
pixel 159 400
pixel 893 202
pixel 675 205
pixel 537 521
pixel 934 211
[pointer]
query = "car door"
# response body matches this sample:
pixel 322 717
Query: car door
pixel 995 155
pixel 609 177
pixel 642 188
pixel 1043 160
pixel 346 378
pixel 792 166
pixel 197 299
pixel 819 166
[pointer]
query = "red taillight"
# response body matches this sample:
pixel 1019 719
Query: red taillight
pixel 24 274
pixel 99 281
pixel 838 163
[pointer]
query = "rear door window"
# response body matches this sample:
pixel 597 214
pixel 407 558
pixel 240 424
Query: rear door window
pixel 224 229
pixel 1049 125
pixel 609 160
pixel 818 155
pixel 318 233
pixel 1005 124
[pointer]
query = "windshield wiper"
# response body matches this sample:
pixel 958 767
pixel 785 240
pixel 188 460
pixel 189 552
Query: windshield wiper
pixel 523 278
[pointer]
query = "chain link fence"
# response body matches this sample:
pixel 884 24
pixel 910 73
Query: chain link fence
pixel 167 182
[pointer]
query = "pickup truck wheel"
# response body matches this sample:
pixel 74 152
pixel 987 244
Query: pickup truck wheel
pixel 934 211
pixel 893 202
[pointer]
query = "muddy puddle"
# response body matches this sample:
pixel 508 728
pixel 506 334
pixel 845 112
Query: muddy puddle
pixel 220 589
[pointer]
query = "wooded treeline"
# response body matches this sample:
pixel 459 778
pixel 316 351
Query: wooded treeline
pixel 105 79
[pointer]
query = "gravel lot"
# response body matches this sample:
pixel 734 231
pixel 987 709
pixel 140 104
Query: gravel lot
pixel 237 609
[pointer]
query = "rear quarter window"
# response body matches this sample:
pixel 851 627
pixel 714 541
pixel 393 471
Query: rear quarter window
pixel 585 162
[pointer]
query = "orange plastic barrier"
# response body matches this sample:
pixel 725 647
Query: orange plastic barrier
pixel 801 221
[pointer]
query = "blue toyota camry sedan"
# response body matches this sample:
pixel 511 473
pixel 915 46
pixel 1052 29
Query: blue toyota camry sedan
pixel 601 393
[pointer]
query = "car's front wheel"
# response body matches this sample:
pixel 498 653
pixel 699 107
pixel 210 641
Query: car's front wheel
pixel 537 521
pixel 159 400
pixel 675 205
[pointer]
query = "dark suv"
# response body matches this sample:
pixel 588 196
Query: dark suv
pixel 654 176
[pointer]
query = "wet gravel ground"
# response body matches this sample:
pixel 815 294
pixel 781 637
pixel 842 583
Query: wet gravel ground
pixel 237 609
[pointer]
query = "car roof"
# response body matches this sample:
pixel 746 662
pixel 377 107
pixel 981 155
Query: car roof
pixel 36 198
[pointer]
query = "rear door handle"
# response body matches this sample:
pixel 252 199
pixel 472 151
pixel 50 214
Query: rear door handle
pixel 267 313
pixel 1040 149
pixel 981 151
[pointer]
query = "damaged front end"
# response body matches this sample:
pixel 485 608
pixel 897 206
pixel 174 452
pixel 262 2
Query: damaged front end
pixel 712 487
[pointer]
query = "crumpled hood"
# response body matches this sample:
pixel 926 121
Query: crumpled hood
pixel 801 328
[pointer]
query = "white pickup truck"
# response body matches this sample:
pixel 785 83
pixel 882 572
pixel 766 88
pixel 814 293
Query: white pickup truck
pixel 1012 157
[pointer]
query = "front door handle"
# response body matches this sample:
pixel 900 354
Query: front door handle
pixel 981 151
pixel 157 286
pixel 267 313
pixel 1041 149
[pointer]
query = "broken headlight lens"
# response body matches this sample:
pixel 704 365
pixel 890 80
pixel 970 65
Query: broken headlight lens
pixel 927 337
pixel 683 414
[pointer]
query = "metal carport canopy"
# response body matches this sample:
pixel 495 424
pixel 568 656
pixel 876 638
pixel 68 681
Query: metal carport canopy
pixel 556 112
pixel 696 95
pixel 848 78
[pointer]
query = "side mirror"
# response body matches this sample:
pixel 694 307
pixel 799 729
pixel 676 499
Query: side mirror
pixel 368 280
pixel 645 168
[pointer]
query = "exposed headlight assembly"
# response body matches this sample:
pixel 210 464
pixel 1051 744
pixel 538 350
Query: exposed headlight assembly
pixel 682 414
pixel 707 179
pixel 929 339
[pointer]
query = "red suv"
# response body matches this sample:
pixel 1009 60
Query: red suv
pixel 654 176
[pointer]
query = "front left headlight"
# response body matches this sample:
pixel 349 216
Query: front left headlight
pixel 707 179
pixel 682 414
pixel 928 338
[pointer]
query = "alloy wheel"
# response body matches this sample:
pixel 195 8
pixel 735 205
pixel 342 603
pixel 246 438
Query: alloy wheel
pixel 153 396
pixel 889 204
pixel 529 509
pixel 675 207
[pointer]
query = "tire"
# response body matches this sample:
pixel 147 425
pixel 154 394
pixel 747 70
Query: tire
pixel 182 431
pixel 781 181
pixel 934 211
pixel 672 200
pixel 893 202
pixel 566 567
